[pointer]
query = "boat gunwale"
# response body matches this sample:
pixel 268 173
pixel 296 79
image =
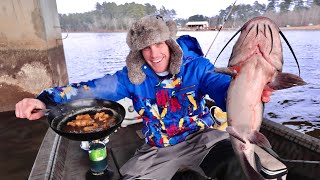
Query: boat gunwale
pixel 302 139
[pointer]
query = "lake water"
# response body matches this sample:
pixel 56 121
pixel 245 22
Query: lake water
pixel 91 55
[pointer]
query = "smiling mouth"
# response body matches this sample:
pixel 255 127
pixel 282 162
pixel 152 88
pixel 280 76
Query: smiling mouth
pixel 158 60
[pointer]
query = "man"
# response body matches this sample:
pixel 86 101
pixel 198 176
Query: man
pixel 167 83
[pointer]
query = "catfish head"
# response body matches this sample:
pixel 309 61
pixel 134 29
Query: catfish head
pixel 259 35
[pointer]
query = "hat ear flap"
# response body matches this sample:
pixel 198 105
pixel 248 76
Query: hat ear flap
pixel 175 56
pixel 134 63
pixel 172 28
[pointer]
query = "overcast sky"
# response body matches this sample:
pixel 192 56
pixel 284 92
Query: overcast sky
pixel 184 8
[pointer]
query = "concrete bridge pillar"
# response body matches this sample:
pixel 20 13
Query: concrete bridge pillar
pixel 31 50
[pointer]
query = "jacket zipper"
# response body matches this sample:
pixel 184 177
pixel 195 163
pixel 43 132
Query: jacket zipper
pixel 188 87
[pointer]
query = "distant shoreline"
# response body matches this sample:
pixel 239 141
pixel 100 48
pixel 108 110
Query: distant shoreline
pixel 311 27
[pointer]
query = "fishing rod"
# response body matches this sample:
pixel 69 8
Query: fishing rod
pixel 224 21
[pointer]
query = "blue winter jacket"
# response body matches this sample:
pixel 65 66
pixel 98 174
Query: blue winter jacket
pixel 171 108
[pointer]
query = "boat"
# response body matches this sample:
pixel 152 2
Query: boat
pixel 61 158
pixel 294 145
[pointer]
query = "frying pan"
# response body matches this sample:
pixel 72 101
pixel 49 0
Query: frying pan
pixel 60 115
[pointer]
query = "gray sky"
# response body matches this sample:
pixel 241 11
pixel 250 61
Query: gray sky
pixel 184 8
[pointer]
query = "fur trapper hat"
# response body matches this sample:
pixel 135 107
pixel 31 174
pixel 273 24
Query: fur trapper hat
pixel 145 32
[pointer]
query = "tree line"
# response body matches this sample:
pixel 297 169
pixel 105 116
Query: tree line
pixel 109 16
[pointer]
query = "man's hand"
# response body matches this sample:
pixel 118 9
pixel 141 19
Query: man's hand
pixel 265 97
pixel 25 107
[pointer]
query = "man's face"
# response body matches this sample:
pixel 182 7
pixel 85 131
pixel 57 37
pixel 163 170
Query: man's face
pixel 157 56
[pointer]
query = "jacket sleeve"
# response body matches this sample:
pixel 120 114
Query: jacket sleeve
pixel 110 87
pixel 214 84
pixel 211 83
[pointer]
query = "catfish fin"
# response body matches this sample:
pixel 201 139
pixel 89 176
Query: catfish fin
pixel 259 139
pixel 286 80
pixel 225 70
pixel 250 171
pixel 272 153
pixel 234 134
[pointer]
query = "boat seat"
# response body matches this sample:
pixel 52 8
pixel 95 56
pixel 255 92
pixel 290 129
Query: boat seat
pixel 271 168
pixel 132 117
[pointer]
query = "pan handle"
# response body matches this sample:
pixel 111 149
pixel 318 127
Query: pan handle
pixel 44 111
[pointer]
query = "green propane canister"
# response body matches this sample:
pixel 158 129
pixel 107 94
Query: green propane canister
pixel 98 157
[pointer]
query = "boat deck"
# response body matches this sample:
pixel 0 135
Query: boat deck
pixel 60 158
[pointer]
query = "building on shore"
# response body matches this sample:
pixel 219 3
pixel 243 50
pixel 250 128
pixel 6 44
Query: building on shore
pixel 198 26
pixel 201 25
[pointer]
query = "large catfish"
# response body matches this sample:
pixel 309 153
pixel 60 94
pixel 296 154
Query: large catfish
pixel 255 64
